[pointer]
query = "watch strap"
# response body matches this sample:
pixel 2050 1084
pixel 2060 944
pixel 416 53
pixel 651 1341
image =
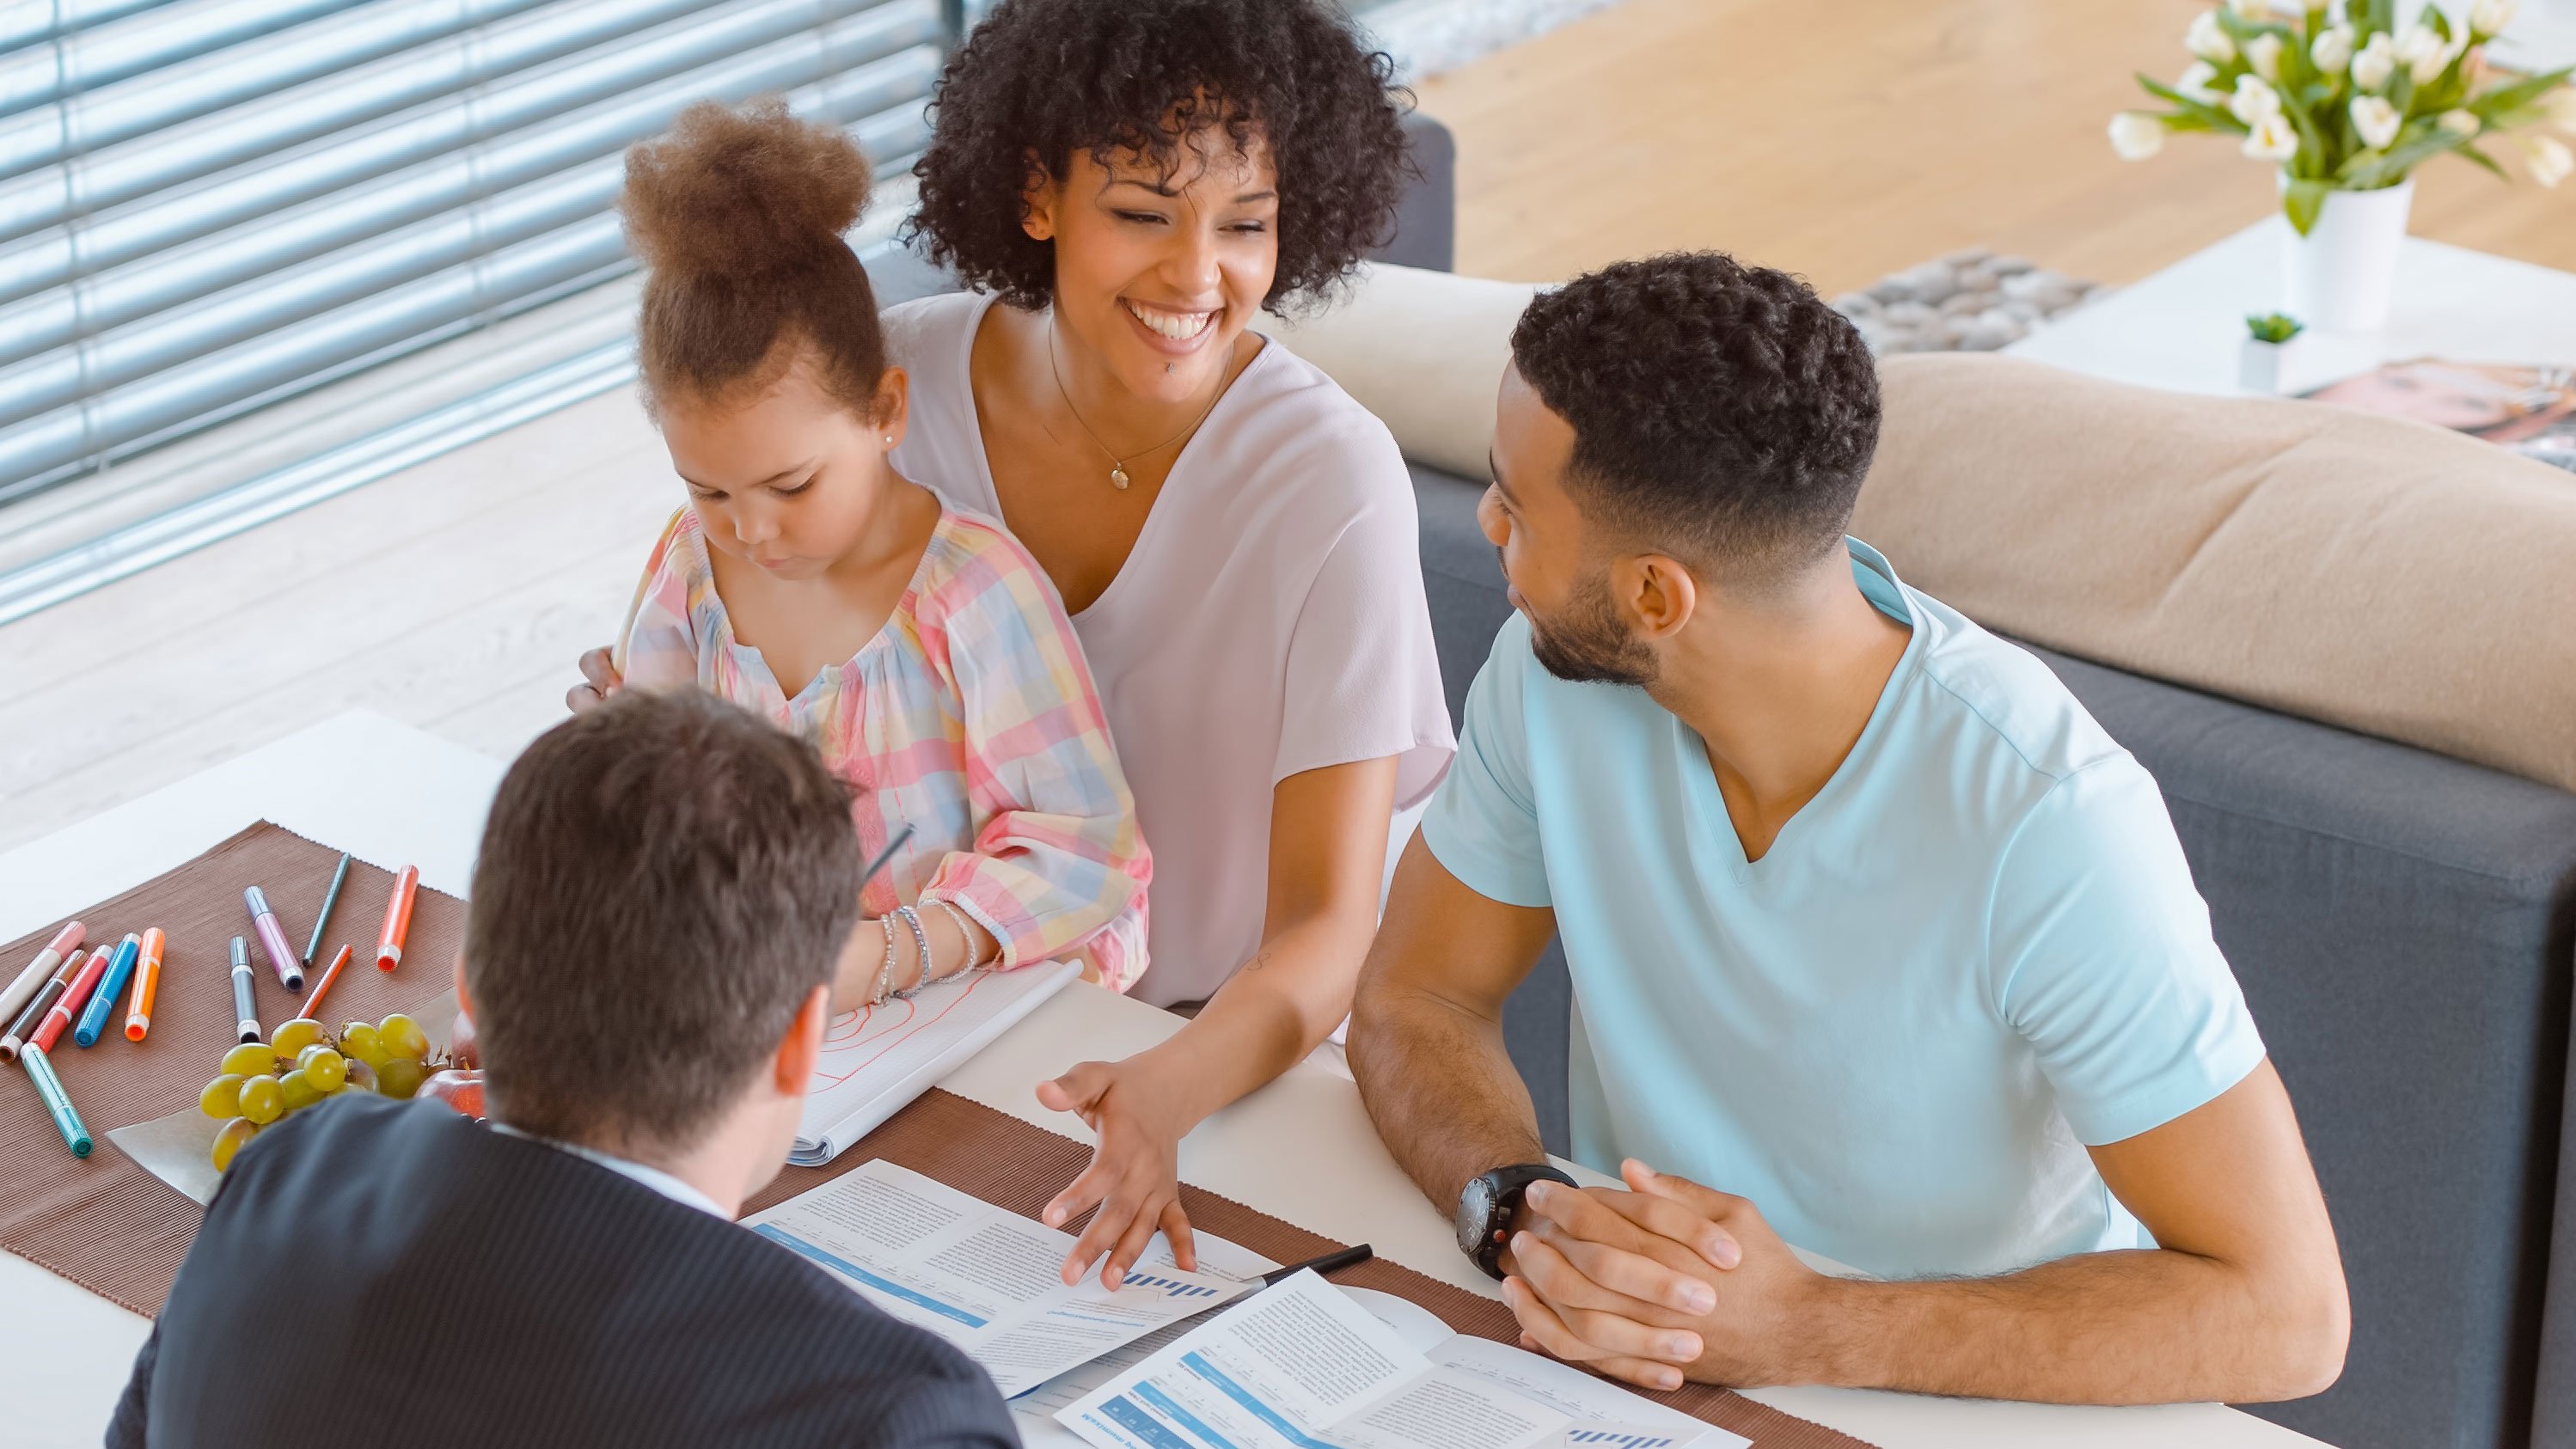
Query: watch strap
pixel 1510 1185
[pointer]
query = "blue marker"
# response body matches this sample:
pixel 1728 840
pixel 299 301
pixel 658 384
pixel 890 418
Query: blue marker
pixel 102 1002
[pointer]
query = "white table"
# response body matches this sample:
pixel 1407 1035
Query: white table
pixel 2183 328
pixel 1301 1148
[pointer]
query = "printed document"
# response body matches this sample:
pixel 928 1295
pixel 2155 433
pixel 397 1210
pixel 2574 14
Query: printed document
pixel 982 1277
pixel 878 1058
pixel 1306 1366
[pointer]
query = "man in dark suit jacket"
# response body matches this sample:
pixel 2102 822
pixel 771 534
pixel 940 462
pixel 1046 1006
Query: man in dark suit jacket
pixel 663 888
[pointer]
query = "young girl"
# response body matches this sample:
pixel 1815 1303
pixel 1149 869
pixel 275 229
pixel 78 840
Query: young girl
pixel 919 646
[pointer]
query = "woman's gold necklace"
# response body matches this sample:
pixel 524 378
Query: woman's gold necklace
pixel 1118 478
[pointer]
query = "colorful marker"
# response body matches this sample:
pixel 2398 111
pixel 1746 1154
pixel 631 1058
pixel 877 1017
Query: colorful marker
pixel 68 1005
pixel 32 980
pixel 272 939
pixel 330 898
pixel 245 1009
pixel 25 1026
pixel 102 1002
pixel 328 977
pixel 147 985
pixel 57 1102
pixel 397 919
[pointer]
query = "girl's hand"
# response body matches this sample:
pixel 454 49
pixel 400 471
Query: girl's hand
pixel 1134 1174
pixel 599 680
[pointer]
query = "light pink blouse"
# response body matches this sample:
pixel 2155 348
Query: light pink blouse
pixel 1269 621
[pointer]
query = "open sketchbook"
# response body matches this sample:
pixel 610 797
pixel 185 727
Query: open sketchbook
pixel 878 1058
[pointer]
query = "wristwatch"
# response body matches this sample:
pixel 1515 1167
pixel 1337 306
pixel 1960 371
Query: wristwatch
pixel 1487 1207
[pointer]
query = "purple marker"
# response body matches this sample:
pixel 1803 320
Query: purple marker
pixel 272 939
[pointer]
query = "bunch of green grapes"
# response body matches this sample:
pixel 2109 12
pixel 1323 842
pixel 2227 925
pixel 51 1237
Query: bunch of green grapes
pixel 300 1064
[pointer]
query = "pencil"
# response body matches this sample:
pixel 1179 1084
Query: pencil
pixel 50 1087
pixel 147 984
pixel 328 977
pixel 330 898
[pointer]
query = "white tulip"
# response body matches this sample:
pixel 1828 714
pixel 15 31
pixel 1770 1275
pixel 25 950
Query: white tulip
pixel 2490 17
pixel 2136 135
pixel 2375 62
pixel 2423 51
pixel 2254 100
pixel 2332 50
pixel 2460 121
pixel 2195 79
pixel 2560 107
pixel 2208 39
pixel 2275 139
pixel 2263 53
pixel 2548 158
pixel 2376 120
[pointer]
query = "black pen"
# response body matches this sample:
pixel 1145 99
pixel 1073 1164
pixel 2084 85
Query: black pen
pixel 1330 1262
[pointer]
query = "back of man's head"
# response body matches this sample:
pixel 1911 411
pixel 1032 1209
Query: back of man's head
pixel 1721 413
pixel 663 883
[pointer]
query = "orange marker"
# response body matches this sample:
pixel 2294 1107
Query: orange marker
pixel 329 976
pixel 147 984
pixel 397 919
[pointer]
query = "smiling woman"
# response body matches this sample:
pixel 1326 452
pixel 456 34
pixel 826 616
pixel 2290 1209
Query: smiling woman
pixel 1126 183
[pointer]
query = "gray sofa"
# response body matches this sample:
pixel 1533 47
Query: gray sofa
pixel 2404 926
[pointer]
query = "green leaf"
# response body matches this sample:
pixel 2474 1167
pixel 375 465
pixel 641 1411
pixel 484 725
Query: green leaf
pixel 2469 152
pixel 2301 202
pixel 2522 92
pixel 2378 15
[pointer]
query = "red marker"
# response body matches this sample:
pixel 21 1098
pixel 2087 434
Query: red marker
pixel 397 919
pixel 59 1020
pixel 328 976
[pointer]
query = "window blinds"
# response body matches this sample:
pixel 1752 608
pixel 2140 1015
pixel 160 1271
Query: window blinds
pixel 210 205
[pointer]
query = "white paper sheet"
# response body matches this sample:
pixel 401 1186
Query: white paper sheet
pixel 1304 1366
pixel 981 1277
pixel 878 1058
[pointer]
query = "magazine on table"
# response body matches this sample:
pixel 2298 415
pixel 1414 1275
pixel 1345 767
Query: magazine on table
pixel 2527 409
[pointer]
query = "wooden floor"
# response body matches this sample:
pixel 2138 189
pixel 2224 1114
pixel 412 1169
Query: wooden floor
pixel 1841 141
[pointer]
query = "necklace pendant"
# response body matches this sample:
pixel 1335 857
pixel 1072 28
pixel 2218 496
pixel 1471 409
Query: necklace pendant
pixel 1118 478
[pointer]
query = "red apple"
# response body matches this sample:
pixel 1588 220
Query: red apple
pixel 460 1043
pixel 458 1089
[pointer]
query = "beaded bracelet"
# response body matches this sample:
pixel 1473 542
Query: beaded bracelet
pixel 921 938
pixel 965 932
pixel 885 973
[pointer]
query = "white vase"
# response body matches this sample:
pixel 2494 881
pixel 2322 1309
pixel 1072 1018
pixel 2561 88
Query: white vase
pixel 2268 369
pixel 2340 274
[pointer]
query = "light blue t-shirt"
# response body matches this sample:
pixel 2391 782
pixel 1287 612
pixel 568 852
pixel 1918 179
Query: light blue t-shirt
pixel 1976 951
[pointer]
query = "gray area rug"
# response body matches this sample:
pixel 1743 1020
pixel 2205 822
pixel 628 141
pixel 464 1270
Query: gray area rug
pixel 1969 301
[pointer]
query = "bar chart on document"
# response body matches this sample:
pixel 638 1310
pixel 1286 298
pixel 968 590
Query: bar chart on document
pixel 878 1058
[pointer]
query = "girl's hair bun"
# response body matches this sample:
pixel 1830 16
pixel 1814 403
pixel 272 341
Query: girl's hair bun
pixel 740 191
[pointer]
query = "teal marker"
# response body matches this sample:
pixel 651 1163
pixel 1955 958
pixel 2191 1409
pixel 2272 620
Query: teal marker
pixel 50 1087
pixel 102 1002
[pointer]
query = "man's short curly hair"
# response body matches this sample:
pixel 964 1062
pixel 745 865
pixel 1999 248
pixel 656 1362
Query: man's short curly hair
pixel 1719 408
pixel 1043 79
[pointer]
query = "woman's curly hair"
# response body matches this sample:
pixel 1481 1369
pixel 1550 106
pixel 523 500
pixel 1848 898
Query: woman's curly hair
pixel 1042 79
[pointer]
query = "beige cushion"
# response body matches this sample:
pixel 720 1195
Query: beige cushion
pixel 1423 350
pixel 2387 576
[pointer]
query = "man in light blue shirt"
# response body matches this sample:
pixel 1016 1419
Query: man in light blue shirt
pixel 1879 943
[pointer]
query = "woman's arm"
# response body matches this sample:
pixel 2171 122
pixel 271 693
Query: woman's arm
pixel 1327 858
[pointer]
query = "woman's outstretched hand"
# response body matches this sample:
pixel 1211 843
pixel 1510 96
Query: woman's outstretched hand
pixel 599 680
pixel 1134 1174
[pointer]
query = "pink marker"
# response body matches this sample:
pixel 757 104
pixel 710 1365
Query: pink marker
pixel 272 939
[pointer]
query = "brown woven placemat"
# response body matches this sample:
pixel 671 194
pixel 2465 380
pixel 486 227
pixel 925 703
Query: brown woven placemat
pixel 104 1222
pixel 110 1226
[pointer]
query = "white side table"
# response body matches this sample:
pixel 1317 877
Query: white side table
pixel 2183 328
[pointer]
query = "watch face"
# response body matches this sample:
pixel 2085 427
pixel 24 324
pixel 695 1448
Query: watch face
pixel 1475 1215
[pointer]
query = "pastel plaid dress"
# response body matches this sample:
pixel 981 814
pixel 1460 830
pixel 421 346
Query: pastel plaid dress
pixel 970 716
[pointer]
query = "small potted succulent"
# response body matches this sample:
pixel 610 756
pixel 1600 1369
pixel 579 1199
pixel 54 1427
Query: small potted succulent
pixel 2265 364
